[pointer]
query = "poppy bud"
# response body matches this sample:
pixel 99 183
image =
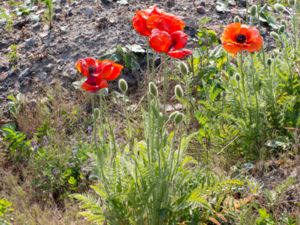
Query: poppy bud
pixel 253 10
pixel 178 91
pixel 279 7
pixel 96 113
pixel 281 29
pixel 236 19
pixel 237 77
pixel 269 62
pixel 123 86
pixel 153 89
pixel 173 115
pixel 292 3
pixel 275 35
pixel 178 118
pixel 183 68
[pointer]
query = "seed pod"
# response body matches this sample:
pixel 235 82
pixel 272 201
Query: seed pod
pixel 178 91
pixel 292 3
pixel 184 69
pixel 178 118
pixel 275 35
pixel 96 113
pixel 279 7
pixel 269 62
pixel 236 19
pixel 123 86
pixel 153 89
pixel 253 10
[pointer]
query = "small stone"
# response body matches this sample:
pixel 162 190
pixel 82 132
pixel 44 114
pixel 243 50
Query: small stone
pixel 3 76
pixel 89 12
pixel 202 3
pixel 49 68
pixel 171 3
pixel 24 73
pixel 242 3
pixel 30 43
pixel 57 9
pixel 34 18
pixel 36 26
pixel 64 29
pixel 201 10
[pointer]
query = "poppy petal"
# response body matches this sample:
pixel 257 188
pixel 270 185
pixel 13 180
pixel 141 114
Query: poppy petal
pixel 255 45
pixel 232 48
pixel 94 87
pixel 109 70
pixel 165 22
pixel 83 65
pixel 230 32
pixel 139 23
pixel 179 40
pixel 160 41
pixel 115 72
pixel 180 54
pixel 252 39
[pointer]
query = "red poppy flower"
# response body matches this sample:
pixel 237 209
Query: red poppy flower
pixel 171 44
pixel 97 73
pixel 145 21
pixel 239 37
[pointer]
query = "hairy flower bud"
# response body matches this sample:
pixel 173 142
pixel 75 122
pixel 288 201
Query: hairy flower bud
pixel 279 7
pixel 237 77
pixel 153 89
pixel 178 91
pixel 178 118
pixel 123 86
pixel 269 62
pixel 184 69
pixel 253 10
pixel 96 113
pixel 236 19
pixel 275 35
pixel 292 3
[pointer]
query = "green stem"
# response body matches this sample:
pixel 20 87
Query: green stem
pixel 94 121
pixel 165 83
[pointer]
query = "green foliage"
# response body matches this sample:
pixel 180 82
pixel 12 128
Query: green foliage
pixel 5 209
pixel 49 14
pixel 58 171
pixel 19 148
pixel 12 56
pixel 7 17
pixel 153 181
pixel 246 103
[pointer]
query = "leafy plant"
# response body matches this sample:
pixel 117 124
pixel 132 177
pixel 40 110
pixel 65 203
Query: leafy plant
pixel 19 148
pixel 154 181
pixel 49 14
pixel 5 209
pixel 8 18
pixel 12 56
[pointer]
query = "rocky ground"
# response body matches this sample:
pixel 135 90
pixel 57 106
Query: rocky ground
pixel 83 28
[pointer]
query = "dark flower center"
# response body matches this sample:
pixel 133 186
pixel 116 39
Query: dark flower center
pixel 92 70
pixel 240 38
